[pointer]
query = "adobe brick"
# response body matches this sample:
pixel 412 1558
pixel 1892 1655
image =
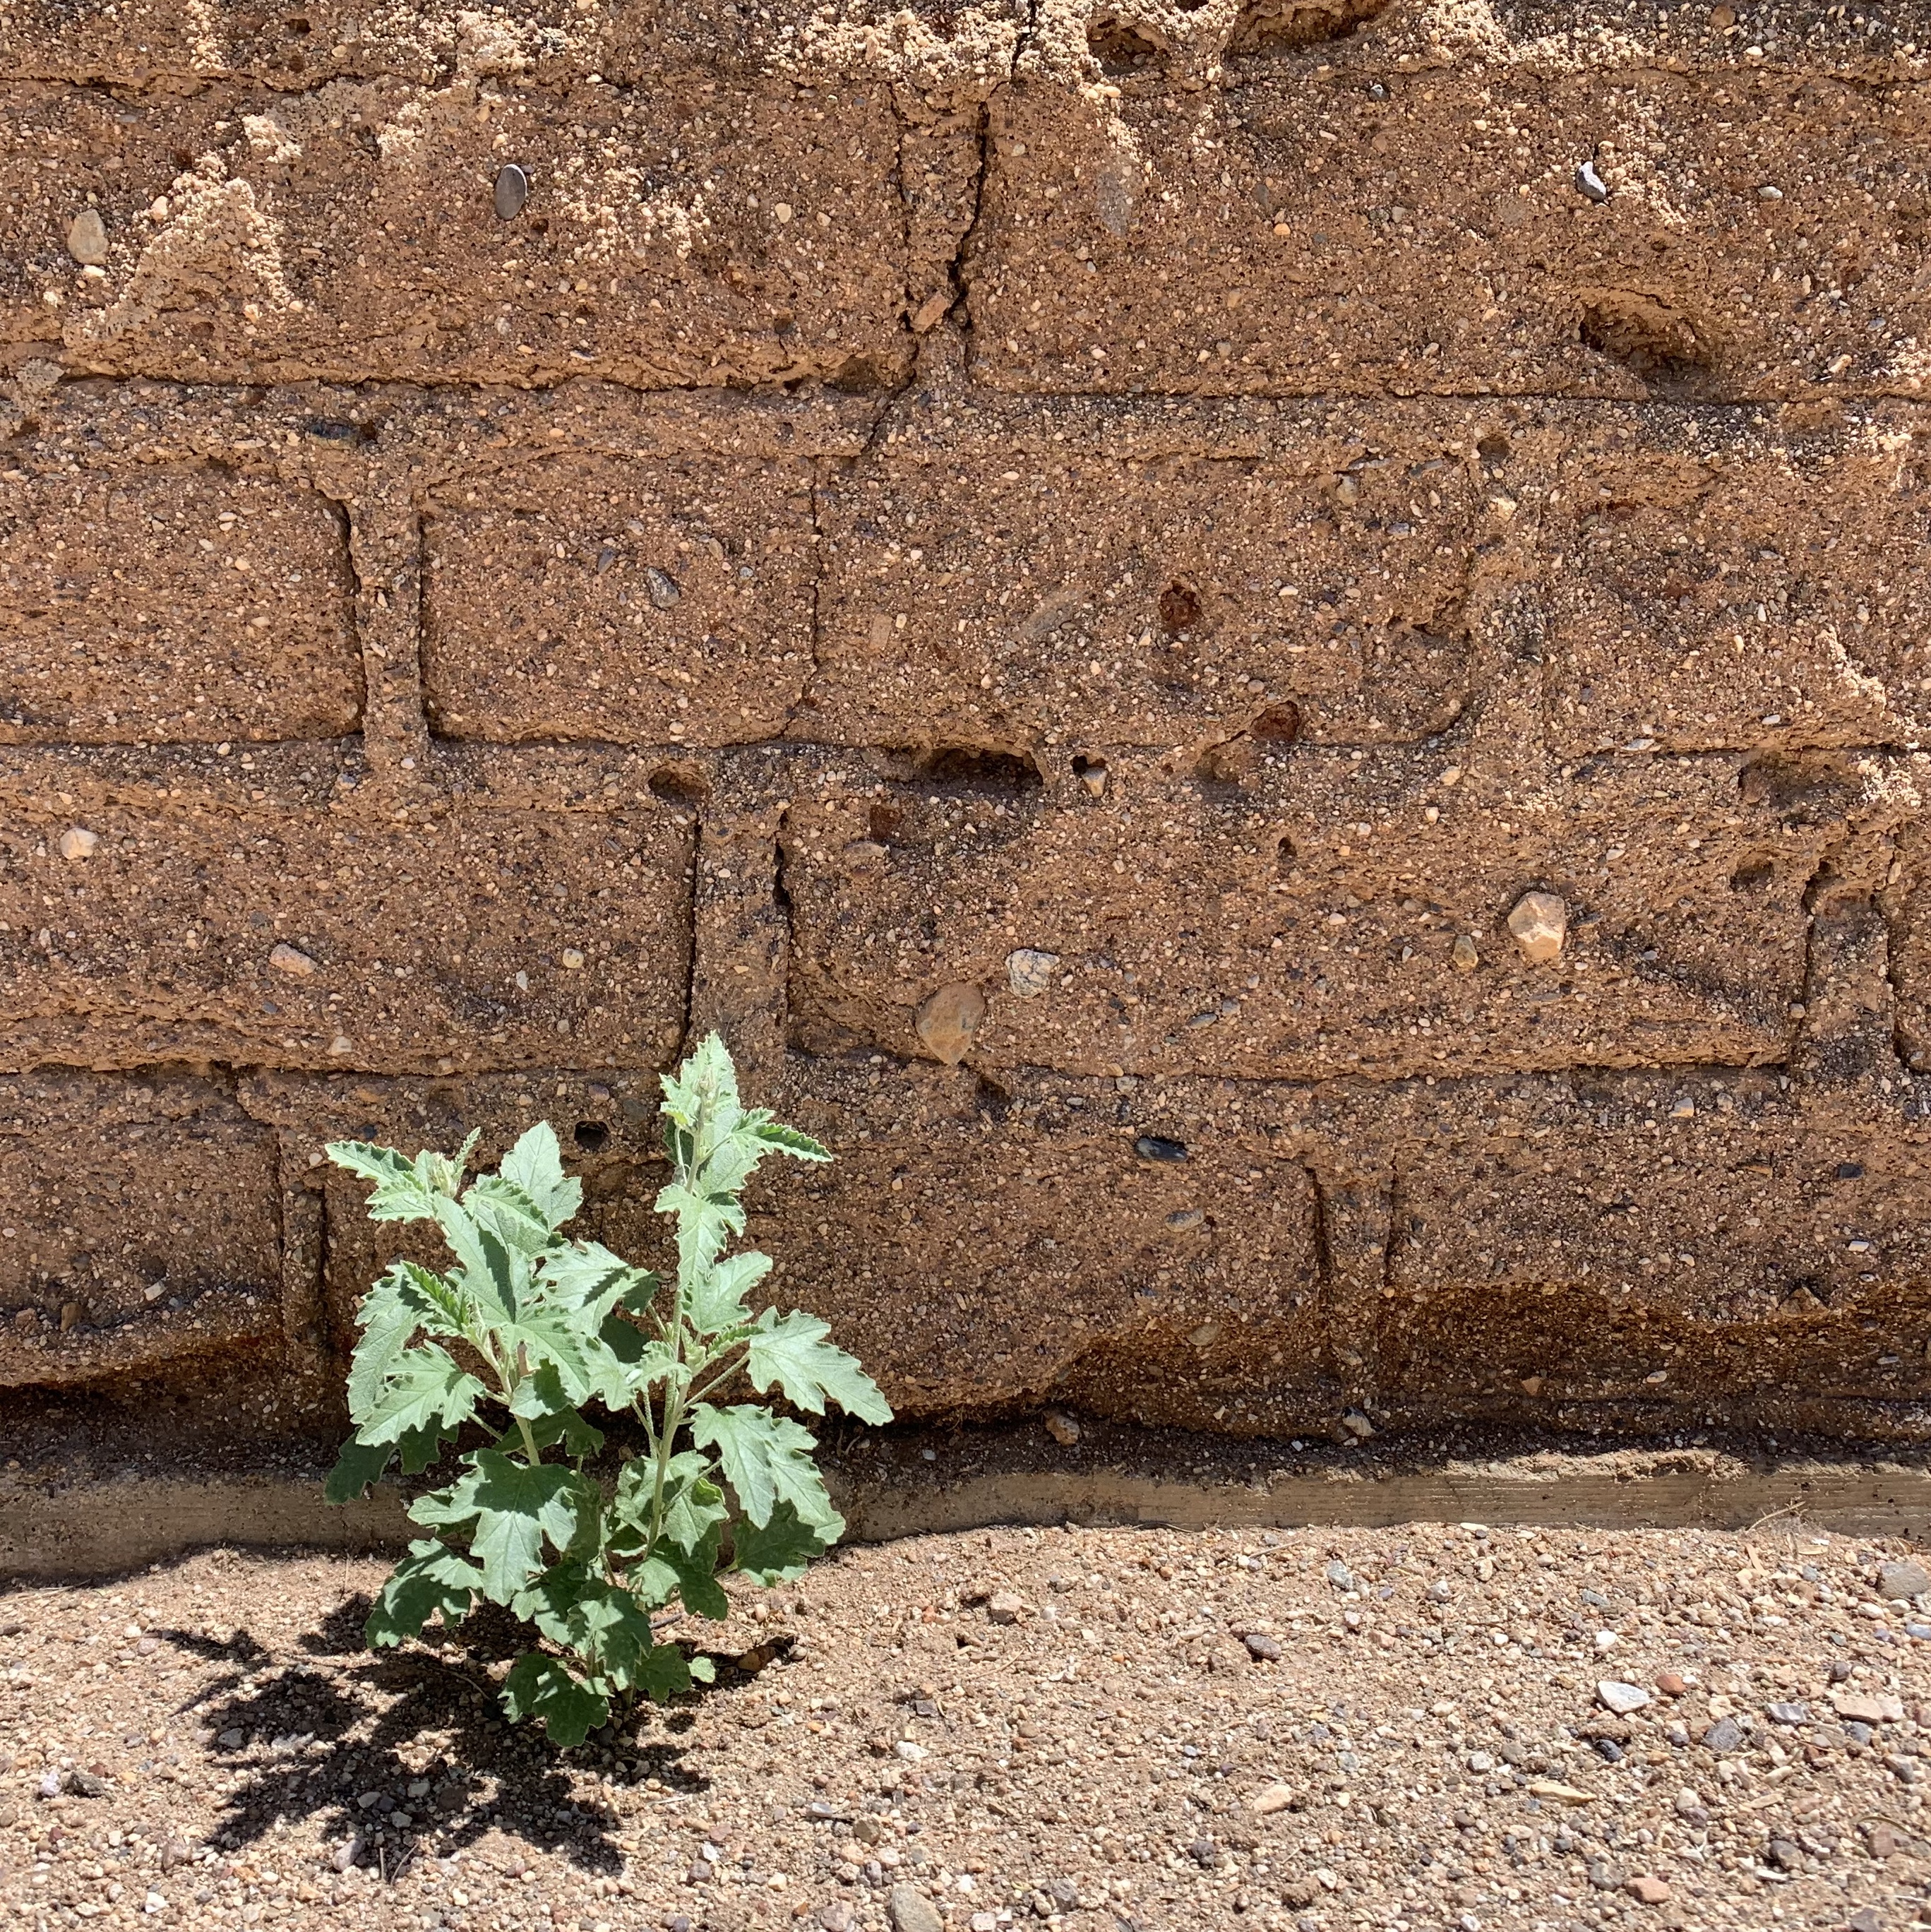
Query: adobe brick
pixel 186 604
pixel 1300 920
pixel 1290 233
pixel 657 602
pixel 475 938
pixel 140 1219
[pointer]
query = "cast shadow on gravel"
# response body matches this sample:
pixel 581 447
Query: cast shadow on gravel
pixel 309 1745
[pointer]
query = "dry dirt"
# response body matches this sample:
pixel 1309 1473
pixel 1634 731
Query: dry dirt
pixel 883 1746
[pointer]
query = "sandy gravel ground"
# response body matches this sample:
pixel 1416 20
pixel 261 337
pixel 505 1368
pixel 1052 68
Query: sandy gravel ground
pixel 1110 1730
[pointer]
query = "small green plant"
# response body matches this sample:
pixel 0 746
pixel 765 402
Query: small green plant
pixel 539 1327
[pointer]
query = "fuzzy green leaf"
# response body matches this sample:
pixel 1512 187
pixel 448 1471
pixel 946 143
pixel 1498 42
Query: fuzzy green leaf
pixel 494 1273
pixel 425 1387
pixel 406 1300
pixel 693 1505
pixel 448 1509
pixel 601 1622
pixel 716 1299
pixel 359 1464
pixel 767 1460
pixel 517 1509
pixel 589 1282
pixel 662 1674
pixel 541 1402
pixel 503 1207
pixel 794 1354
pixel 787 1140
pixel 692 1575
pixel 400 1195
pixel 431 1578
pixel 703 1670
pixel 421 1447
pixel 535 1165
pixel 543 1686
pixel 780 1551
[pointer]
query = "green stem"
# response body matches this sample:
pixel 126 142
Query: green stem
pixel 529 1448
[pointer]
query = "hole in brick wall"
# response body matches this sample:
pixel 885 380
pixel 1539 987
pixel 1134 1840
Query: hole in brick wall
pixel 885 822
pixel 860 376
pixel 1279 724
pixel 1817 789
pixel 992 1099
pixel 1091 772
pixel 296 24
pixel 1226 764
pixel 1280 27
pixel 1179 607
pixel 680 784
pixel 1119 48
pixel 1494 448
pixel 983 770
pixel 1651 339
pixel 1285 855
pixel 592 1136
pixel 1753 878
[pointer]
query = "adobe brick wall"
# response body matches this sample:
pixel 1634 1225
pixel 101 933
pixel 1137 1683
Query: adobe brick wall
pixel 1055 572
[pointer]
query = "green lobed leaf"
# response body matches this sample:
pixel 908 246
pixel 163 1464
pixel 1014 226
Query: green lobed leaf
pixel 662 1674
pixel 586 1279
pixel 400 1195
pixel 541 1402
pixel 535 1165
pixel 494 1272
pixel 425 1387
pixel 787 1140
pixel 545 1687
pixel 431 1580
pixel 518 1509
pixel 794 1353
pixel 359 1464
pixel 693 1504
pixel 421 1447
pixel 547 1600
pixel 703 1670
pixel 448 1509
pixel 405 1299
pixel 779 1551
pixel 611 1627
pixel 766 1460
pixel 716 1299
pixel 503 1208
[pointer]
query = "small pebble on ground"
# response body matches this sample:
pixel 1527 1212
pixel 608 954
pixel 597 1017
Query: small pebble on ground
pixel 1418 1729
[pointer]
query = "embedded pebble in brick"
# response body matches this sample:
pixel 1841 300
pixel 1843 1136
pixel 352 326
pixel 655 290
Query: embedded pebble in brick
pixel 1464 954
pixel 1062 1428
pixel 511 191
pixel 663 587
pixel 87 238
pixel 1540 924
pixel 1029 974
pixel 288 959
pixel 948 1021
pixel 77 842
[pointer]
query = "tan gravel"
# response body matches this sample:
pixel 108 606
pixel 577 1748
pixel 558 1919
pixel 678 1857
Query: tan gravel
pixel 1089 1727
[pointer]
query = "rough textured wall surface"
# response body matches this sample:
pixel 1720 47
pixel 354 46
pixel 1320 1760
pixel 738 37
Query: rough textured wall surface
pixel 1268 655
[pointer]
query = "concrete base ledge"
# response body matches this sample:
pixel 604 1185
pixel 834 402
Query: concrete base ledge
pixel 104 1523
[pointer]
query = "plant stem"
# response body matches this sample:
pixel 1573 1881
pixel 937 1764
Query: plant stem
pixel 529 1448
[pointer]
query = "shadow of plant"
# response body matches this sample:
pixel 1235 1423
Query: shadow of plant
pixel 335 1734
